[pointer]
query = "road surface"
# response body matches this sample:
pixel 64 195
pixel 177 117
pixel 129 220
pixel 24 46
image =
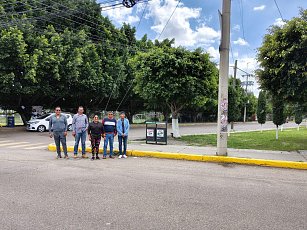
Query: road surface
pixel 39 192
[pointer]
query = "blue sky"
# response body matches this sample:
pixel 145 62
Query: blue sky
pixel 195 23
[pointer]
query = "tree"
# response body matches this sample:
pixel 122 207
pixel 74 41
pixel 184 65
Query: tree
pixel 234 110
pixel 282 57
pixel 59 53
pixel 261 108
pixel 278 112
pixel 298 116
pixel 175 77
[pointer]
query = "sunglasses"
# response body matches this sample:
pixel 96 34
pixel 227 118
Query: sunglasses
pixel 57 110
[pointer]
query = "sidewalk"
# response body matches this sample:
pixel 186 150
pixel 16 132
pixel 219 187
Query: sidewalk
pixel 283 159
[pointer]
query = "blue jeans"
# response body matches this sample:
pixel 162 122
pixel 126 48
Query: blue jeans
pixel 79 136
pixel 122 139
pixel 109 138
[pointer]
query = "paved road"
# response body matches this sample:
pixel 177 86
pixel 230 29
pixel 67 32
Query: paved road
pixel 39 192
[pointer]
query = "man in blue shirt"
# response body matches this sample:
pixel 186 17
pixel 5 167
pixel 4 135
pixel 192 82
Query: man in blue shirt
pixel 79 128
pixel 58 130
pixel 109 128
pixel 122 130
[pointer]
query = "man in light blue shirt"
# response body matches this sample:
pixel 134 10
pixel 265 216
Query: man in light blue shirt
pixel 79 129
pixel 122 126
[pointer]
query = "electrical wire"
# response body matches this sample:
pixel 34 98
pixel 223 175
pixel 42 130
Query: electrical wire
pixel 279 10
pixel 169 19
pixel 142 15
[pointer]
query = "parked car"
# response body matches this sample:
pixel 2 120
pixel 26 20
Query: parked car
pixel 41 124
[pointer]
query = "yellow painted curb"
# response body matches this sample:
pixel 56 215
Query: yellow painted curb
pixel 216 159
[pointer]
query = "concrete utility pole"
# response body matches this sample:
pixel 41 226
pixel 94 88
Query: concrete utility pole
pixel 235 73
pixel 222 121
pixel 234 85
pixel 246 83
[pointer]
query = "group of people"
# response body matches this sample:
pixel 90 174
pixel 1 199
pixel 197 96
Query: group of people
pixel 81 127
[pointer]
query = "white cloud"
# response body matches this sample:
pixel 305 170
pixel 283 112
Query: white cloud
pixel 214 53
pixel 259 8
pixel 179 26
pixel 236 27
pixel 279 22
pixel 241 42
pixel 120 15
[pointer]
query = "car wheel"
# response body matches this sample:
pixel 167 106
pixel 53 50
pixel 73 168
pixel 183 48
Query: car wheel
pixel 69 128
pixel 41 128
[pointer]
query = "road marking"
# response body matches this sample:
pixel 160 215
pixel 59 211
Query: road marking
pixel 37 147
pixel 5 141
pixel 15 143
pixel 26 145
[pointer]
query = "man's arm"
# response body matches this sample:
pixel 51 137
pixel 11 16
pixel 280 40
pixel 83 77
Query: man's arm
pixel 50 126
pixel 65 123
pixel 86 122
pixel 74 123
pixel 103 131
pixel 115 130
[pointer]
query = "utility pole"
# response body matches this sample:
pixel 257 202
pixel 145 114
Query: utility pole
pixel 235 73
pixel 222 121
pixel 234 85
pixel 246 83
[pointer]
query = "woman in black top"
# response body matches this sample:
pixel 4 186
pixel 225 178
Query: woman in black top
pixel 95 131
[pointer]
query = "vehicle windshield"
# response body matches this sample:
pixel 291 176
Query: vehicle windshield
pixel 44 116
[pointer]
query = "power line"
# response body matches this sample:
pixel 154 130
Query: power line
pixel 142 15
pixel 242 18
pixel 169 19
pixel 124 96
pixel 279 10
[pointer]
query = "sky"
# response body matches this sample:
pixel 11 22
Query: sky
pixel 195 23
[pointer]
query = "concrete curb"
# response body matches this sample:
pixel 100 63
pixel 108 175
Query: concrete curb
pixel 202 158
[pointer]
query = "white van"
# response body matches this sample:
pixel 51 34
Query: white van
pixel 41 124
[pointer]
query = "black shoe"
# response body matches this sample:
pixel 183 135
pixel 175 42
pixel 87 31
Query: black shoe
pixel 97 158
pixel 59 156
pixel 111 157
pixel 93 158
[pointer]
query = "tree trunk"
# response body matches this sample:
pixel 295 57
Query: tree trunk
pixel 281 128
pixel 24 114
pixel 298 127
pixel 261 128
pixel 175 125
pixel 276 132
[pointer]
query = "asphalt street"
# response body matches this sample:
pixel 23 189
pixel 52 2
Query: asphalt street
pixel 39 192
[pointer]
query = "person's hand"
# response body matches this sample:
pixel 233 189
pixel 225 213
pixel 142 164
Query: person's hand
pixel 73 134
pixel 123 134
pixel 65 134
pixel 50 135
pixel 89 138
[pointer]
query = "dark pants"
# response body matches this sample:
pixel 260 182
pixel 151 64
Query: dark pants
pixel 122 140
pixel 95 141
pixel 60 138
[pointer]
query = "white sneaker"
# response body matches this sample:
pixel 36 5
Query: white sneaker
pixel 124 156
pixel 120 156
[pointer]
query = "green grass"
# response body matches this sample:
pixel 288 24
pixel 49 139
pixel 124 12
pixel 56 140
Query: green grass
pixel 289 140
pixel 18 120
